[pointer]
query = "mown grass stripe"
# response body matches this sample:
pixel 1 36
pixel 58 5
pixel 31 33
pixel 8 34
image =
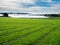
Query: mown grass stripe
pixel 41 32
pixel 13 21
pixel 43 36
pixel 17 32
pixel 12 28
pixel 52 39
pixel 19 37
pixel 4 28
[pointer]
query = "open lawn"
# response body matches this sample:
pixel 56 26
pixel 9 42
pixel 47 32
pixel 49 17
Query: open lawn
pixel 20 31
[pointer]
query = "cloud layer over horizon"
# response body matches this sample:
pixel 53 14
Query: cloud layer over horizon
pixel 33 6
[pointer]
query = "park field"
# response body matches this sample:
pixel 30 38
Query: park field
pixel 24 31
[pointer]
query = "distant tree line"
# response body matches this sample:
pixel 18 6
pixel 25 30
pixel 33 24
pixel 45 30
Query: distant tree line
pixel 4 14
pixel 52 15
pixel 49 15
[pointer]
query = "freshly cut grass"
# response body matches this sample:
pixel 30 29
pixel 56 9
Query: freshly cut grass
pixel 20 31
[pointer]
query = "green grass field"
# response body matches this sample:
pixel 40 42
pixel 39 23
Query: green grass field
pixel 18 31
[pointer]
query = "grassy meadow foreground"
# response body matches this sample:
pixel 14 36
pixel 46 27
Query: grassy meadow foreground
pixel 18 31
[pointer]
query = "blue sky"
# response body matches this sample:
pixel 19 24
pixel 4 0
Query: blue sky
pixel 31 6
pixel 43 3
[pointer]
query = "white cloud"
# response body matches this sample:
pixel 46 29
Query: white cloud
pixel 37 9
pixel 8 5
pixel 11 2
pixel 11 5
pixel 53 9
pixel 46 0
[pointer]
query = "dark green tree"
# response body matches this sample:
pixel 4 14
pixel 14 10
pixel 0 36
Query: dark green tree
pixel 5 14
pixel 52 15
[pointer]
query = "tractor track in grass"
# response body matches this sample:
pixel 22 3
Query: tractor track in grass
pixel 6 30
pixel 11 27
pixel 43 36
pixel 17 30
pixel 2 32
pixel 41 32
pixel 33 36
pixel 7 27
pixel 19 37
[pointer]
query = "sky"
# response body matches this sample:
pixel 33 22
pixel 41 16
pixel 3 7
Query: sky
pixel 31 6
